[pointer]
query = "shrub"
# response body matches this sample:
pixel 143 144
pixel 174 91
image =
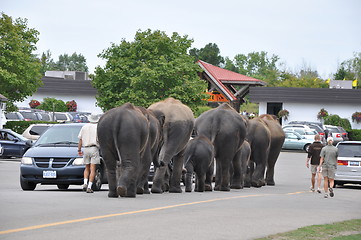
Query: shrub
pixel 52 104
pixel 337 121
pixel 20 126
pixel 354 134
pixel 200 110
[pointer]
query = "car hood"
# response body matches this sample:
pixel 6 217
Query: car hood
pixel 52 152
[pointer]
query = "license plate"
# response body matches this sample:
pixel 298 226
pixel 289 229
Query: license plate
pixel 354 164
pixel 49 174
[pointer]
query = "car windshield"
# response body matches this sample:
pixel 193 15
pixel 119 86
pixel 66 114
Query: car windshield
pixel 38 130
pixel 349 150
pixel 60 134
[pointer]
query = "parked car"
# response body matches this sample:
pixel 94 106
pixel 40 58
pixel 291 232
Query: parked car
pixel 54 160
pixel 318 126
pixel 14 116
pixel 34 131
pixel 295 141
pixel 13 144
pixel 349 163
pixel 303 130
pixel 80 117
pixel 338 133
pixel 62 117
pixel 31 116
pixel 45 116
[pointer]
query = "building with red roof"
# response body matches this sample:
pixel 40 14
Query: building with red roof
pixel 227 86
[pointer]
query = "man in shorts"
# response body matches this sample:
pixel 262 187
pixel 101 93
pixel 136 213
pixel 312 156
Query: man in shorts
pixel 328 162
pixel 89 141
pixel 314 156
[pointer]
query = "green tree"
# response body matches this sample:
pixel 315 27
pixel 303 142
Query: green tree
pixel 53 104
pixel 20 73
pixel 75 62
pixel 151 68
pixel 258 65
pixel 229 65
pixel 47 63
pixel 210 54
pixel 302 80
pixel 350 69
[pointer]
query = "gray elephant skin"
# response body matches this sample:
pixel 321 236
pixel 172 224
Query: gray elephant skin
pixel 266 137
pixel 176 131
pixel 123 134
pixel 198 157
pixel 226 129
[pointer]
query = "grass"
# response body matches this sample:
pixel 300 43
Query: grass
pixel 346 230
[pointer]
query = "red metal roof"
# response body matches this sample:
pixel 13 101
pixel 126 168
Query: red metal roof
pixel 226 75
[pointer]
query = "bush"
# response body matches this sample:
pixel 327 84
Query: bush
pixel 335 120
pixel 52 104
pixel 200 110
pixel 354 134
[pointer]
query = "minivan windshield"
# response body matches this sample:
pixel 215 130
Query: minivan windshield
pixel 60 134
pixel 349 150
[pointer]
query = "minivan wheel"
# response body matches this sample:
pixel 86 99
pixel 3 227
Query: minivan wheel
pixel 97 184
pixel 63 186
pixel 27 186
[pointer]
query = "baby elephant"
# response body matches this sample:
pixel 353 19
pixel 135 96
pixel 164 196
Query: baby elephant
pixel 198 157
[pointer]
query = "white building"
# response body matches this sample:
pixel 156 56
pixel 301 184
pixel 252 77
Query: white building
pixel 304 104
pixel 67 86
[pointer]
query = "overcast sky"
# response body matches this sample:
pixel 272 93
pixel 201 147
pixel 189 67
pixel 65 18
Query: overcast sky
pixel 314 33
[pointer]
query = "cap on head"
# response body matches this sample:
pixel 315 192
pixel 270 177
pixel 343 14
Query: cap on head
pixel 330 139
pixel 93 118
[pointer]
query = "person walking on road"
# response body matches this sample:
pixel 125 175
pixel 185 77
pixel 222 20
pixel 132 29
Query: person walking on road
pixel 313 157
pixel 328 162
pixel 89 141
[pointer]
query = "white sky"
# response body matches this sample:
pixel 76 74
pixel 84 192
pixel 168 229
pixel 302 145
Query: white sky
pixel 314 33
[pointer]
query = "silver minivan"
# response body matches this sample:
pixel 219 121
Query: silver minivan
pixel 348 163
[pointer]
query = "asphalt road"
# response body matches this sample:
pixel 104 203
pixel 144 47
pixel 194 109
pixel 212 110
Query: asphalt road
pixel 49 213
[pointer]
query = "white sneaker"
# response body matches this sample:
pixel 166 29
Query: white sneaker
pixel 85 186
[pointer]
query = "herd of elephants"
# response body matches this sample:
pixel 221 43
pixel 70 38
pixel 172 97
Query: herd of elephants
pixel 131 138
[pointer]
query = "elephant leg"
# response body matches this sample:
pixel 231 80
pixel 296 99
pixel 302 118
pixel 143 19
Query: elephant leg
pixel 176 174
pixel 272 158
pixel 209 177
pixel 225 177
pixel 237 179
pixel 201 177
pixel 111 165
pixel 260 159
pixel 127 183
pixel 248 175
pixel 142 185
pixel 161 171
pixel 189 175
pixel 217 184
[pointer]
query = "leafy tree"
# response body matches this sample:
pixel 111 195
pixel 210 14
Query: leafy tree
pixel 258 65
pixel 229 65
pixel 19 68
pixel 302 80
pixel 350 69
pixel 75 62
pixel 47 63
pixel 151 68
pixel 210 54
pixel 52 104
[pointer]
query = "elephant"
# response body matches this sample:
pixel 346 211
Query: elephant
pixel 156 121
pixel 123 134
pixel 266 137
pixel 245 155
pixel 226 129
pixel 198 157
pixel 176 131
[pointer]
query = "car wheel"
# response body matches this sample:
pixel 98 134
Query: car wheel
pixel 63 186
pixel 306 147
pixel 27 186
pixel 97 184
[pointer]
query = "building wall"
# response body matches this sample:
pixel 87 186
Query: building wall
pixel 84 103
pixel 309 111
